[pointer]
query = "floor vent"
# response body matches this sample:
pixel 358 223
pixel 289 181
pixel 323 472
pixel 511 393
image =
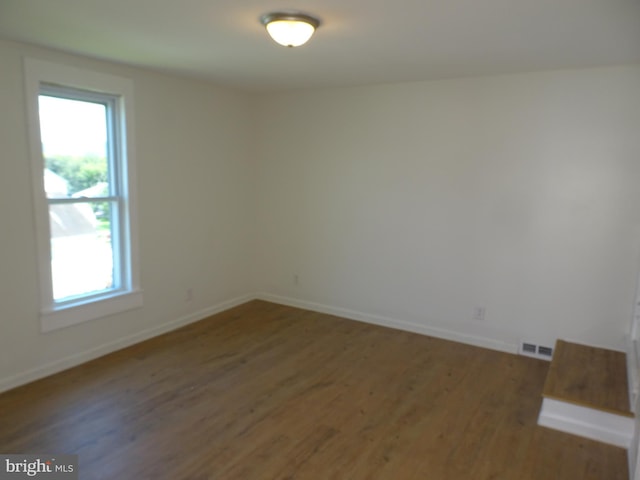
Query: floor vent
pixel 537 351
pixel 546 351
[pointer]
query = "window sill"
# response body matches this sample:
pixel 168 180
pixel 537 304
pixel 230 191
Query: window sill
pixel 61 317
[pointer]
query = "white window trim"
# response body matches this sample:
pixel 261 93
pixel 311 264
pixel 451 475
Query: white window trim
pixel 52 315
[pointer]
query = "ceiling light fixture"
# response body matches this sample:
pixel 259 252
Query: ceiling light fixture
pixel 290 29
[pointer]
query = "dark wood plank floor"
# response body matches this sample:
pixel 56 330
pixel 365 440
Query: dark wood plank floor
pixel 265 392
pixel 590 377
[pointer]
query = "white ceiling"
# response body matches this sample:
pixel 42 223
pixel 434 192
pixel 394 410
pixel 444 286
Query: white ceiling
pixel 359 42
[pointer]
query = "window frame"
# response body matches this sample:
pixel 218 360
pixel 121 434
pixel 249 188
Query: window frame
pixel 42 77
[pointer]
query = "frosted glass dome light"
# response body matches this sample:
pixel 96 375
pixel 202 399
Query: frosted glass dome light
pixel 290 30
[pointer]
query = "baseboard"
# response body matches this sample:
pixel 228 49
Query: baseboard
pixel 478 341
pixel 82 357
pixel 587 422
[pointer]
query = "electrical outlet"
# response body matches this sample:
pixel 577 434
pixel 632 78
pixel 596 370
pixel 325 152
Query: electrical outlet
pixel 478 313
pixel 296 279
pixel 188 295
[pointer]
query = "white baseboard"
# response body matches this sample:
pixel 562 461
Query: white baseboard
pixel 586 422
pixel 476 340
pixel 82 357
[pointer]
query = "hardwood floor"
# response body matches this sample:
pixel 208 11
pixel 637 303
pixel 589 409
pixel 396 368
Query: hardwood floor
pixel 264 392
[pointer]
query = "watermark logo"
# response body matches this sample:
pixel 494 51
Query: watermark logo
pixel 50 467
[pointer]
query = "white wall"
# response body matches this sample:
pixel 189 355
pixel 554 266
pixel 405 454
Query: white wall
pixel 195 203
pixel 412 204
pixel 405 204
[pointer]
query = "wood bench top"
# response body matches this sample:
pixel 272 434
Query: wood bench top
pixel 590 377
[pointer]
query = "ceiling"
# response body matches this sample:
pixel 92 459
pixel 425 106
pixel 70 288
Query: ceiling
pixel 359 41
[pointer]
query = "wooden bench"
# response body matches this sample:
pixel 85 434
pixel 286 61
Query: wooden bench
pixel 587 393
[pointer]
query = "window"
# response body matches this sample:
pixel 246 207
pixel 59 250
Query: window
pixel 83 191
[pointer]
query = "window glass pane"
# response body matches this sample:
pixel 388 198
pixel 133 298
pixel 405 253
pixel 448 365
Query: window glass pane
pixel 81 248
pixel 74 146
